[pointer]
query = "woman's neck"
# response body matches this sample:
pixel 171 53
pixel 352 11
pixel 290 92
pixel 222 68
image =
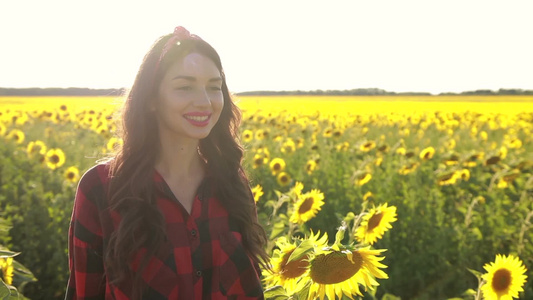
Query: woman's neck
pixel 179 159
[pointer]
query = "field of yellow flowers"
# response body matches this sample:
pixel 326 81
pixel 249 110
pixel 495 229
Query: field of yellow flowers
pixel 427 197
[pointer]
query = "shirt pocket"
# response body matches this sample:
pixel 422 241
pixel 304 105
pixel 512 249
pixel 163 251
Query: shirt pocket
pixel 238 276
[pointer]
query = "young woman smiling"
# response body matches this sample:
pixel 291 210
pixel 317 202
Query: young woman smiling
pixel 171 215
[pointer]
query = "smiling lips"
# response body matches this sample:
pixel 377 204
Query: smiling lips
pixel 199 119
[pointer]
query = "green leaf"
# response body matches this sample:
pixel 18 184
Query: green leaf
pixel 7 253
pixel 349 216
pixel 277 230
pixel 390 297
pixel 22 273
pixel 276 293
pixel 477 233
pixel 470 292
pixel 476 273
pixel 4 290
pixel 302 249
pixel 303 294
pixel 339 236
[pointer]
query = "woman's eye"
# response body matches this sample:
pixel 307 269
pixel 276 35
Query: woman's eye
pixel 215 88
pixel 184 88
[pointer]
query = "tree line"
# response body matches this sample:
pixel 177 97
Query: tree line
pixel 351 92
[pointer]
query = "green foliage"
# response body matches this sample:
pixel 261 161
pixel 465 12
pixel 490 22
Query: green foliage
pixel 37 202
pixel 442 230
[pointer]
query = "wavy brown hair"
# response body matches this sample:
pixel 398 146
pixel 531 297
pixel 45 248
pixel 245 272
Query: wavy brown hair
pixel 131 190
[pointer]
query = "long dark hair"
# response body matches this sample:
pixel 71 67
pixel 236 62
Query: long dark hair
pixel 131 190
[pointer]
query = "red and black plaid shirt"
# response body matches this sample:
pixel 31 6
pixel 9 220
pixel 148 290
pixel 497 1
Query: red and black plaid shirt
pixel 204 259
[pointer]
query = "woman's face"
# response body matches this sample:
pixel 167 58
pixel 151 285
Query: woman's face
pixel 190 98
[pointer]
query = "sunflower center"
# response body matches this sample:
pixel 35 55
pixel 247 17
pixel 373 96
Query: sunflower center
pixel 54 159
pixel 501 280
pixel 375 220
pixel 295 268
pixel 335 267
pixel 284 179
pixel 276 167
pixel 70 175
pixel 426 155
pixel 306 205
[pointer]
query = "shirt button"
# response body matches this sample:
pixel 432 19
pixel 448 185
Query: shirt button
pixel 193 233
pixel 199 273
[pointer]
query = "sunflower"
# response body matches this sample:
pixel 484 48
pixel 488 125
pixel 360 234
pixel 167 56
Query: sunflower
pixel 6 266
pixel 55 158
pixel 368 196
pixel 375 224
pixel 503 152
pixel 492 160
pixel 296 191
pixel 277 165
pixel 3 129
pixel 451 160
pixel 36 147
pixel 378 160
pixel 337 133
pixel 464 174
pixel 450 144
pixel 290 274
pixel 300 143
pixel 283 179
pixel 16 135
pixel 507 178
pixel 261 134
pixel 408 169
pixel 310 166
pixel 257 192
pixel 427 153
pixel 471 161
pixel 504 278
pixel 289 146
pixel 483 135
pixel 401 151
pixel 261 157
pixel 328 132
pixel 307 206
pixel 367 146
pixel 515 143
pixel 114 143
pixel 247 136
pixel 362 179
pixel 342 147
pixel 383 148
pixel 448 178
pixel 333 273
pixel 72 174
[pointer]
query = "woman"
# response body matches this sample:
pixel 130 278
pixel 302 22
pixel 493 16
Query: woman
pixel 171 216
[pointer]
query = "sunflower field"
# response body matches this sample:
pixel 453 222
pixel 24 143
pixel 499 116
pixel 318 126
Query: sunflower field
pixel 392 197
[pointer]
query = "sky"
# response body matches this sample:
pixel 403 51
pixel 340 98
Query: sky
pixel 402 46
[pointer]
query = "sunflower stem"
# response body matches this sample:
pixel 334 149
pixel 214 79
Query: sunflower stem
pixel 478 292
pixel 468 217
pixel 356 222
pixel 525 226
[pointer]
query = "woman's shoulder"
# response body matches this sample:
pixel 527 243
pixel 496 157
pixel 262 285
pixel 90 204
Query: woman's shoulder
pixel 96 175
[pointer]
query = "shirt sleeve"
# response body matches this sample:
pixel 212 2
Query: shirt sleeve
pixel 87 277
